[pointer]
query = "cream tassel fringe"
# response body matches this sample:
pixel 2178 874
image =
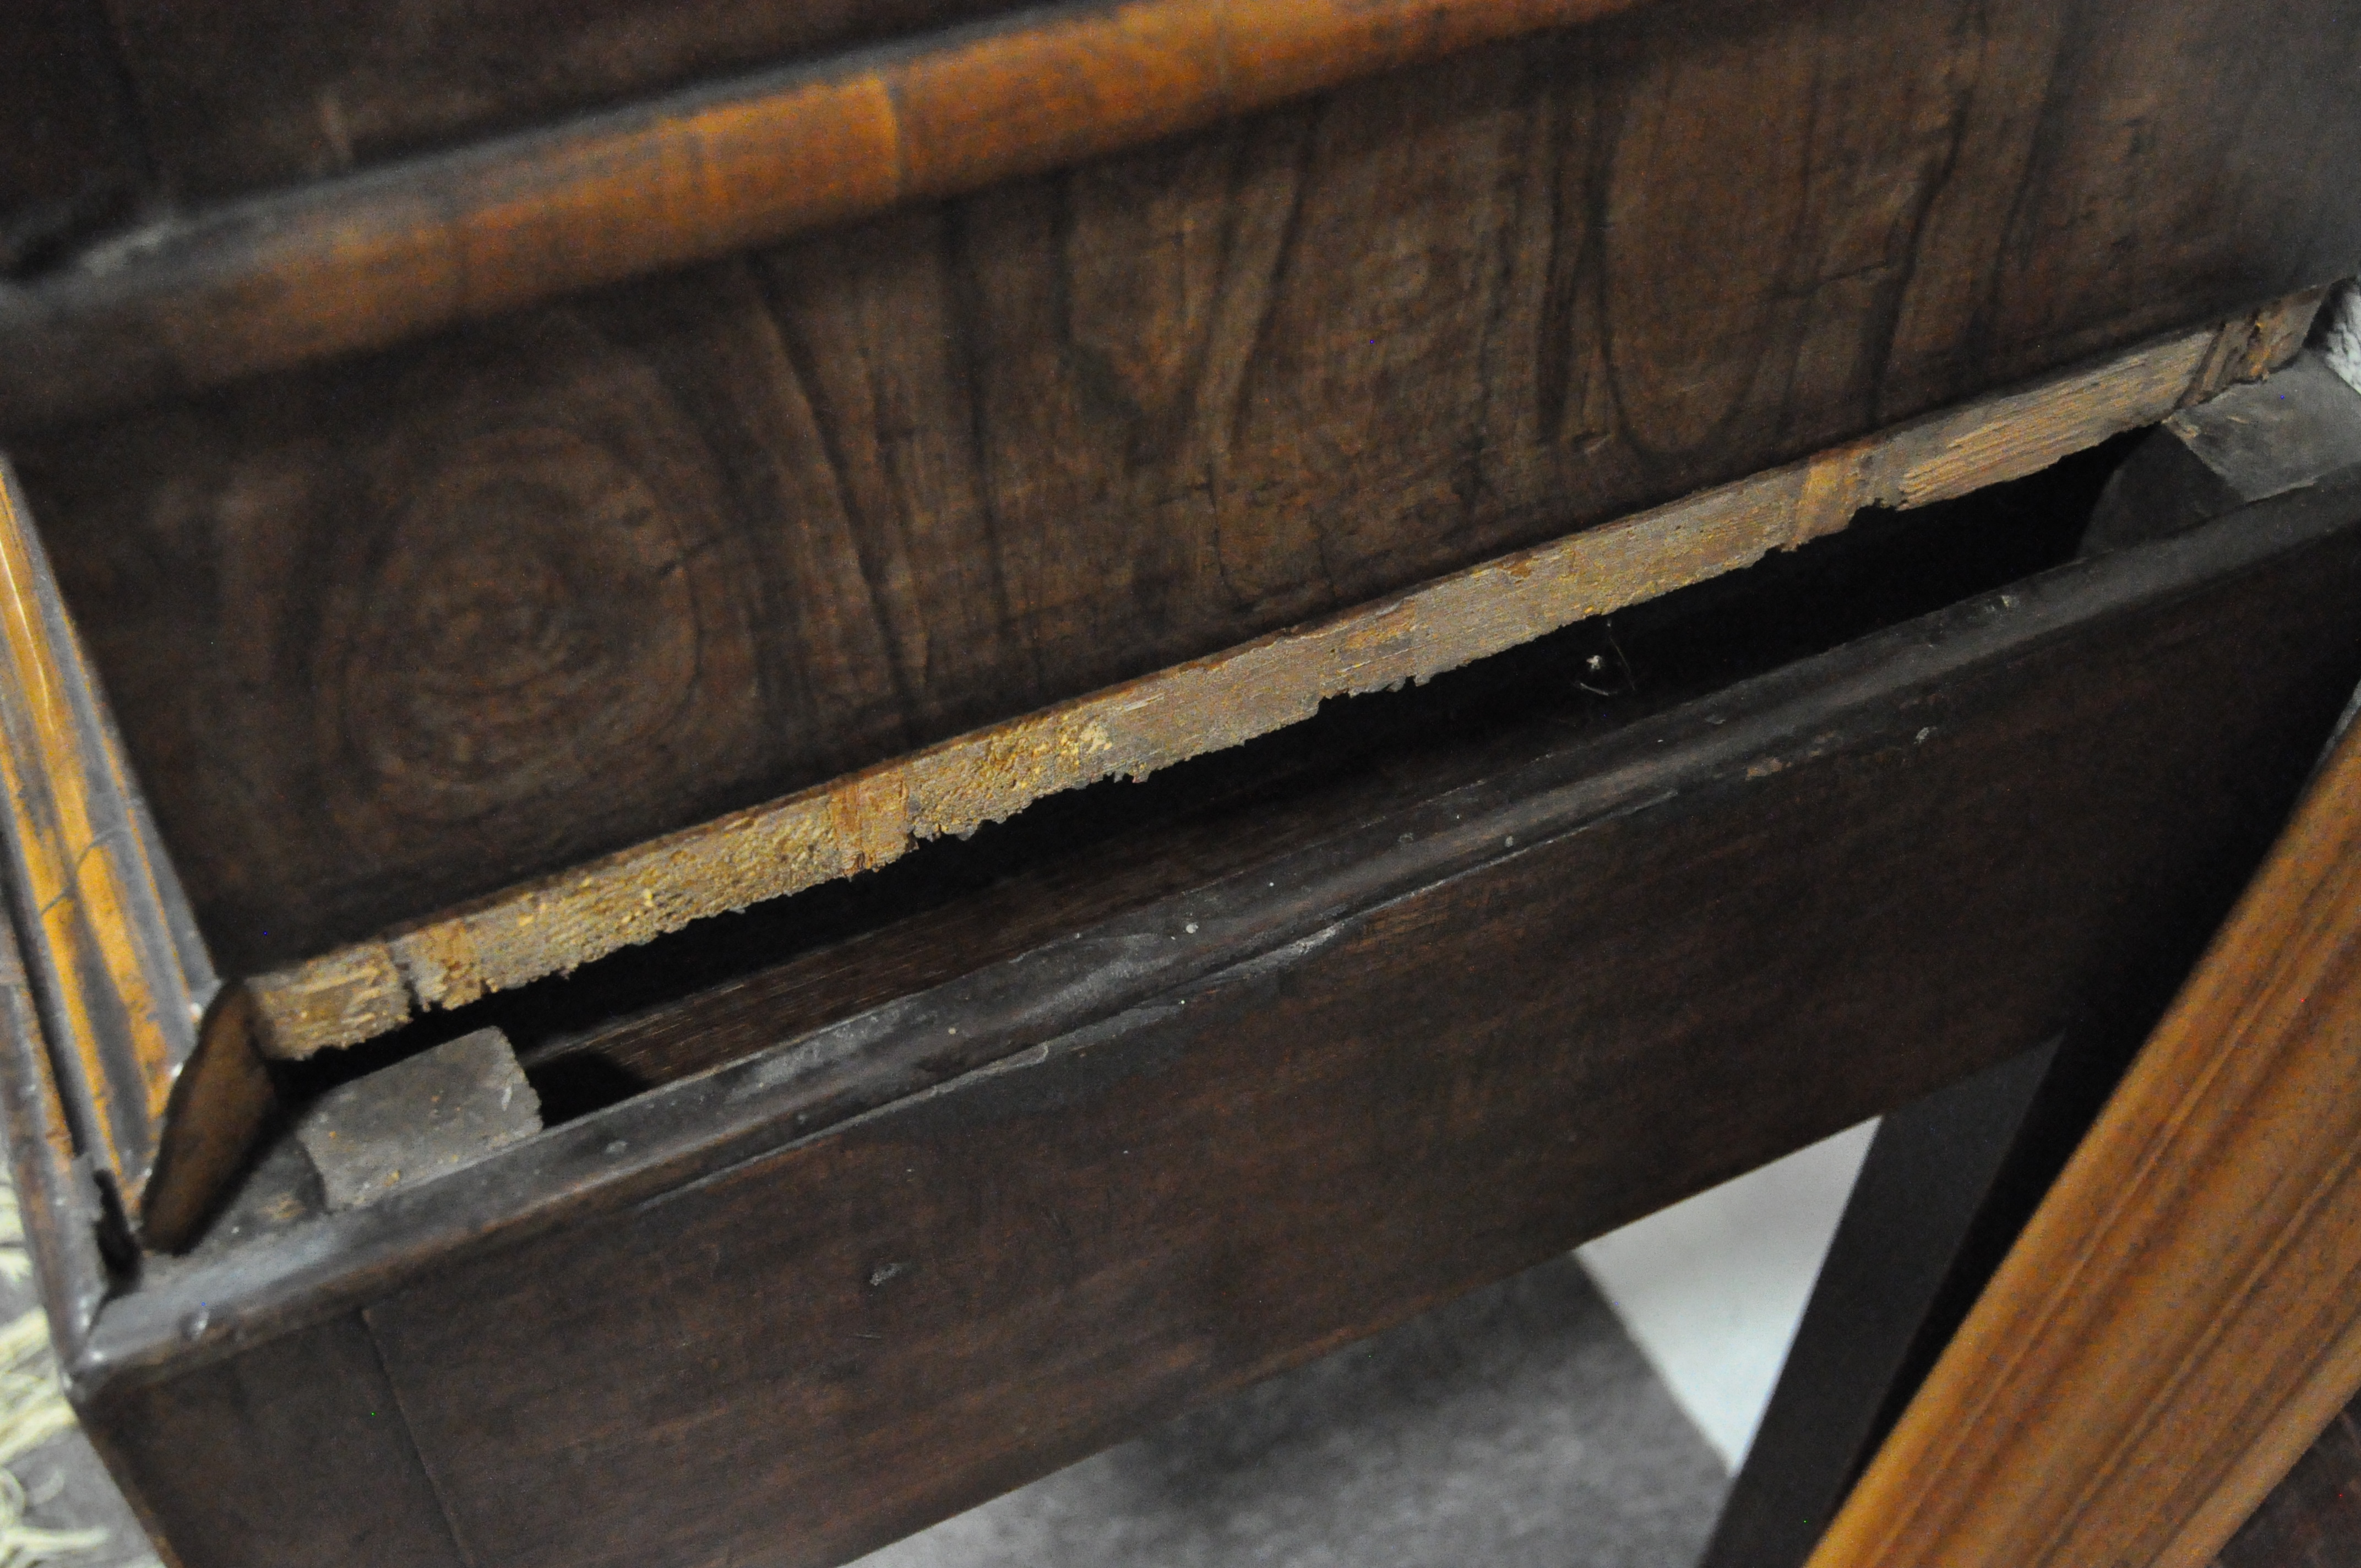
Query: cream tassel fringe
pixel 32 1411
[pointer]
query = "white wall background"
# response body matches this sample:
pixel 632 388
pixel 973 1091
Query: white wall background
pixel 1712 1288
pixel 2341 341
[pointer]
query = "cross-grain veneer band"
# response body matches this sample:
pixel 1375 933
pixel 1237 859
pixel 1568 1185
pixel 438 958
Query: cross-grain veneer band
pixel 871 818
pixel 370 259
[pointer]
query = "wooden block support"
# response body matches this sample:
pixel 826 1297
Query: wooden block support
pixel 425 1116
pixel 2252 442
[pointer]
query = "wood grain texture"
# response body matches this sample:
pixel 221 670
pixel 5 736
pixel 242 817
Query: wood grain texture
pixel 871 817
pixel 886 1269
pixel 2179 1319
pixel 295 1453
pixel 872 490
pixel 239 95
pixel 1989 135
pixel 974 1232
pixel 717 993
pixel 373 259
pixel 122 977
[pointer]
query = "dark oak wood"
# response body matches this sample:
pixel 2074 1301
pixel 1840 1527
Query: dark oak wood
pixel 787 1307
pixel 860 821
pixel 70 155
pixel 238 94
pixel 713 994
pixel 324 1472
pixel 1200 1129
pixel 1151 339
pixel 2027 101
pixel 877 487
pixel 369 259
pixel 1877 1314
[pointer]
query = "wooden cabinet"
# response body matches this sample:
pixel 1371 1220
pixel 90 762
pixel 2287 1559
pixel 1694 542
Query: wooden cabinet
pixel 674 552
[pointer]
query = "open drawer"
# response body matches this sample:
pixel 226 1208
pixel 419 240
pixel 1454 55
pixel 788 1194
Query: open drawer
pixel 864 1205
pixel 775 780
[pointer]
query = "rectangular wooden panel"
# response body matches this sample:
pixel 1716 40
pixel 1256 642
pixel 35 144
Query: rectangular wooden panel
pixel 1420 1055
pixel 861 821
pixel 296 1452
pixel 776 517
pixel 241 94
pixel 366 262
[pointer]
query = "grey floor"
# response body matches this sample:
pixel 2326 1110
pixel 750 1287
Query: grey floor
pixel 63 1486
pixel 1517 1427
pixel 68 1492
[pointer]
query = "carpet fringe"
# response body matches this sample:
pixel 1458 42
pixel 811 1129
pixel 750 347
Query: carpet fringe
pixel 33 1410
